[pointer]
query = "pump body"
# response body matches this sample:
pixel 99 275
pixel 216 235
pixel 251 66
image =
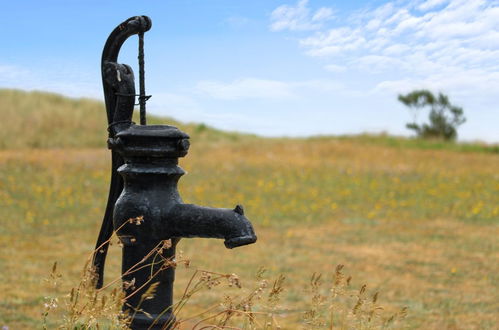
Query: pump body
pixel 144 179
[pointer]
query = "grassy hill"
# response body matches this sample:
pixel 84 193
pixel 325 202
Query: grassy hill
pixel 45 120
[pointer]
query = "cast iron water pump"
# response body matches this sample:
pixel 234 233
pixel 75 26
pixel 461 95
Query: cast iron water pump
pixel 143 185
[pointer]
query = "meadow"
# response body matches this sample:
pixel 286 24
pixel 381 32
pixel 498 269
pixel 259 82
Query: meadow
pixel 416 221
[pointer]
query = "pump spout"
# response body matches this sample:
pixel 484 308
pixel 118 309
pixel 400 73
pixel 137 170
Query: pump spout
pixel 189 220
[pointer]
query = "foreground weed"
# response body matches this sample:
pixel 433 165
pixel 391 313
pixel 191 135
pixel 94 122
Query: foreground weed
pixel 341 307
pixel 85 307
pixel 260 307
pixel 251 309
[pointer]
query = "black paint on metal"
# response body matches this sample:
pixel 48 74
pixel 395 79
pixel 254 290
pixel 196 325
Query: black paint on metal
pixel 144 178
pixel 142 84
pixel 119 95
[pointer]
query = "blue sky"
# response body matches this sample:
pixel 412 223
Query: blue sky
pixel 271 67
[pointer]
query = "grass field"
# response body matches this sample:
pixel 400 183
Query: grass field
pixel 417 222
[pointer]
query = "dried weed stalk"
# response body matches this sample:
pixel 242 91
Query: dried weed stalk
pixel 333 307
pixel 341 307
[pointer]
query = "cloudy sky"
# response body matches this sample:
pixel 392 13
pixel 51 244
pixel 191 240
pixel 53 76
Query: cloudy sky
pixel 272 67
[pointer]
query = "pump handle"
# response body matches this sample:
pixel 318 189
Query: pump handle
pixel 119 94
pixel 133 25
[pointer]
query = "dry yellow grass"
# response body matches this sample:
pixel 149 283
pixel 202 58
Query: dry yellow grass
pixel 419 225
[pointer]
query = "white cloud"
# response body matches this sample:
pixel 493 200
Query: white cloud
pixel 169 102
pixel 396 49
pixel 377 63
pixel 468 24
pixel 299 17
pixel 9 73
pixel 373 24
pixel 253 88
pixel 323 14
pixel 245 88
pixel 431 4
pixel 335 68
pixel 334 41
pixel 74 83
pixel 414 40
pixel 462 82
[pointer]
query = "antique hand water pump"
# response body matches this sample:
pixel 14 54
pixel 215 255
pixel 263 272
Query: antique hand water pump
pixel 143 185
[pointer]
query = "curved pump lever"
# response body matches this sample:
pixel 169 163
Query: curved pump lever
pixel 119 94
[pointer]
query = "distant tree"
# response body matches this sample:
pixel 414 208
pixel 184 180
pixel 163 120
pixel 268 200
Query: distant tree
pixel 444 117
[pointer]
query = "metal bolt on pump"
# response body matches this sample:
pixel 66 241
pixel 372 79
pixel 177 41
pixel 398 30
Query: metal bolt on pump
pixel 144 178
